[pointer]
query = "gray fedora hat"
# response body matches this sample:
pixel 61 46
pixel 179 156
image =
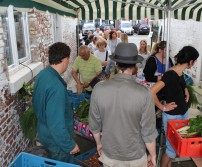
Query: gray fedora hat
pixel 126 53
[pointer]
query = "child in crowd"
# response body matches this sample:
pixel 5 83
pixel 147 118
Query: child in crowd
pixel 102 53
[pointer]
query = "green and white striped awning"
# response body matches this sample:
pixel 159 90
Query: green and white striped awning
pixel 138 9
pixel 116 9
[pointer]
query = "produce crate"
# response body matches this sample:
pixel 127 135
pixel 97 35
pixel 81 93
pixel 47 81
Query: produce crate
pixel 83 129
pixel 184 147
pixel 80 159
pixel 30 160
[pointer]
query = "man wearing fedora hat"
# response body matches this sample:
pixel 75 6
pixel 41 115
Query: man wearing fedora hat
pixel 125 116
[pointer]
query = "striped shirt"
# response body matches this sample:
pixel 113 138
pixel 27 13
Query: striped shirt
pixel 87 69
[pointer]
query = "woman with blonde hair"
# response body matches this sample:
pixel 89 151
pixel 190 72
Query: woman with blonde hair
pixel 101 53
pixel 124 38
pixel 154 49
pixel 143 51
pixel 155 65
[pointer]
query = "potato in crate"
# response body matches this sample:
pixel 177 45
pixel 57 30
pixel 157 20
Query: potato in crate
pixel 30 160
pixel 88 159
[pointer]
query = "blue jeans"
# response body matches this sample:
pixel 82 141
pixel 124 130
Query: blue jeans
pixel 169 149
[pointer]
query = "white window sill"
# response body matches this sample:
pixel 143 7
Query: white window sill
pixel 17 79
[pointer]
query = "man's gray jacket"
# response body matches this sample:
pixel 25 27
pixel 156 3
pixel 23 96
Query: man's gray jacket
pixel 124 111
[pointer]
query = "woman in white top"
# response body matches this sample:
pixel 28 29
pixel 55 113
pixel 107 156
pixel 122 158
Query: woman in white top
pixel 143 51
pixel 113 41
pixel 102 53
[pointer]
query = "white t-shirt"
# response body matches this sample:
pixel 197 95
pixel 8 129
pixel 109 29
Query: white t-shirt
pixel 92 46
pixel 96 33
pixel 102 55
pixel 145 56
pixel 112 44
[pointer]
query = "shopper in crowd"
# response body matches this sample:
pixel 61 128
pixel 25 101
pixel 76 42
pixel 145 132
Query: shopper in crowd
pixel 101 34
pixel 87 66
pixel 124 38
pixel 155 65
pixel 119 34
pixel 106 34
pixel 113 41
pixel 153 72
pixel 96 33
pixel 90 38
pixel 93 45
pixel 81 41
pixel 154 48
pixel 143 51
pixel 51 103
pixel 88 34
pixel 102 53
pixel 127 125
pixel 176 95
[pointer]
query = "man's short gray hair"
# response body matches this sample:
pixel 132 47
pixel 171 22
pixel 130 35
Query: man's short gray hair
pixel 84 47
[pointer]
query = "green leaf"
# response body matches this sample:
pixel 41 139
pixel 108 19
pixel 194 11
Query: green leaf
pixel 28 123
pixel 192 97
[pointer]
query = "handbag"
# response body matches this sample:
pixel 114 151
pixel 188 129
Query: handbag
pixel 100 77
pixel 103 68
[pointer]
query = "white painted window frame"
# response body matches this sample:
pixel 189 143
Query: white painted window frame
pixel 13 41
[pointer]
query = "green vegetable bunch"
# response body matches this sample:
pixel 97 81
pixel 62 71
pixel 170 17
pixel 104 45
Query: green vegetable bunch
pixel 82 111
pixel 28 120
pixel 195 125
pixel 26 92
pixel 28 123
pixel 192 96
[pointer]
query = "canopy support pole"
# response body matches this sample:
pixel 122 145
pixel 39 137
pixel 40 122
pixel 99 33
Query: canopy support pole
pixel 168 34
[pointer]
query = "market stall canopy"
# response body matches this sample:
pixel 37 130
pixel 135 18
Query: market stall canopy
pixel 138 9
pixel 116 9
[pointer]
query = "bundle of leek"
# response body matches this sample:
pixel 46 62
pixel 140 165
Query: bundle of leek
pixel 193 129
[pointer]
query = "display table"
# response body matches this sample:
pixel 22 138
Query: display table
pixel 82 129
pixel 197 161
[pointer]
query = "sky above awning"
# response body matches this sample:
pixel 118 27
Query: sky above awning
pixel 116 9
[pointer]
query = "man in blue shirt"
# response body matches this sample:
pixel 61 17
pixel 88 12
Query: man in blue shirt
pixel 53 108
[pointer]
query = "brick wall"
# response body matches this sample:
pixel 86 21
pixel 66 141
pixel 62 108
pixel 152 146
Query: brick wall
pixel 69 37
pixel 41 35
pixel 11 139
pixel 66 32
